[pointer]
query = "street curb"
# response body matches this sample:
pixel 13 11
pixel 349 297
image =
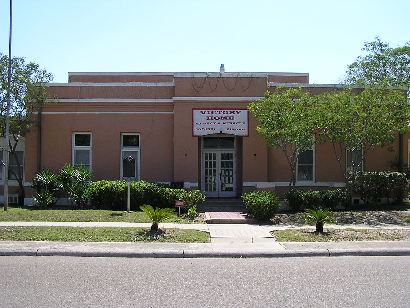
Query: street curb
pixel 215 254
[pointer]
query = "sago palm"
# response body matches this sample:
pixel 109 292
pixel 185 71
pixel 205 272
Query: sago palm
pixel 156 215
pixel 319 217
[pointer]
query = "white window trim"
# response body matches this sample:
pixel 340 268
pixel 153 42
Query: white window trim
pixel 346 162
pixel 313 167
pixel 74 148
pixel 136 149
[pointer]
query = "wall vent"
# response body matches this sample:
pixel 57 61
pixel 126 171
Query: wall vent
pixel 13 199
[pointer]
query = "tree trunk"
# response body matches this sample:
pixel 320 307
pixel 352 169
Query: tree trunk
pixel 21 194
pixel 154 227
pixel 319 227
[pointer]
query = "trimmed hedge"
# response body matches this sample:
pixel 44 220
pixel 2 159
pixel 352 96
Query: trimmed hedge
pixel 113 195
pixel 263 205
pixel 299 200
pixel 192 198
pixel 371 186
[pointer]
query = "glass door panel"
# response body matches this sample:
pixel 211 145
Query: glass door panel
pixel 227 172
pixel 210 172
pixel 218 169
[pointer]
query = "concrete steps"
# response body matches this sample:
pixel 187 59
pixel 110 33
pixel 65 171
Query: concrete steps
pixel 224 211
pixel 222 205
pixel 228 218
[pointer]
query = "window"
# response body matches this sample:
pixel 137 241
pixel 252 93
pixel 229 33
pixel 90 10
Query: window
pixel 218 142
pixel 354 160
pixel 305 166
pixel 14 162
pixel 130 149
pixel 82 150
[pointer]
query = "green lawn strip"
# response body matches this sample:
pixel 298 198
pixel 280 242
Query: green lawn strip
pixel 340 235
pixel 70 215
pixel 99 234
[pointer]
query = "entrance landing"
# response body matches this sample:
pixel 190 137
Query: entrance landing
pixel 227 218
pixel 222 205
pixel 224 211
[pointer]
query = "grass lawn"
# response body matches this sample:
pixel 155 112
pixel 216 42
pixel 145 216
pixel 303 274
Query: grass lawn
pixel 339 235
pixel 73 215
pixel 81 234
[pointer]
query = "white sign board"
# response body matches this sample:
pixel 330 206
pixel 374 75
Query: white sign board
pixel 216 121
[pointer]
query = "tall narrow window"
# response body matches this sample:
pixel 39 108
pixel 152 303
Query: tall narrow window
pixel 130 149
pixel 305 166
pixel 82 150
pixel 354 160
pixel 16 160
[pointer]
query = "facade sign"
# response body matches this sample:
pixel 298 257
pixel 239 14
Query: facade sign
pixel 220 121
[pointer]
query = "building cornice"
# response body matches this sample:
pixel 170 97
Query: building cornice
pixel 217 98
pixel 110 100
pixel 112 84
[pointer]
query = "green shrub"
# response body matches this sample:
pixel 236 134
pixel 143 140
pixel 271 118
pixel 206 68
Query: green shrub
pixel 299 200
pixel 263 205
pixel 192 213
pixel 191 198
pixel 371 186
pixel 113 195
pixel 151 193
pixel 45 198
pixel 110 195
pixel 47 186
pixel 74 181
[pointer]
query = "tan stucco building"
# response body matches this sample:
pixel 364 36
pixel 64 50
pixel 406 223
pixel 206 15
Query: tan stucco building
pixel 190 128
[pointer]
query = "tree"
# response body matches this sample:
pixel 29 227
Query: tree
pixel 381 66
pixel 28 93
pixel 288 120
pixel 362 119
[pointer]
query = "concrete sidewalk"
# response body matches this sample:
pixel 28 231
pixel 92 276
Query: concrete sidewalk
pixel 227 240
pixel 252 232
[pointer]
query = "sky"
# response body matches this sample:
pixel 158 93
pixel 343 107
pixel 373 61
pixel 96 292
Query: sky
pixel 316 37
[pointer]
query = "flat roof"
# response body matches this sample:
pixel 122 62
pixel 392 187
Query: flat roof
pixel 189 74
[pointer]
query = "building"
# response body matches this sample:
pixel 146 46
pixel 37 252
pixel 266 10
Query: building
pixel 189 128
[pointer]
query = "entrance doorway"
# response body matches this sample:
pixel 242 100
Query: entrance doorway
pixel 218 167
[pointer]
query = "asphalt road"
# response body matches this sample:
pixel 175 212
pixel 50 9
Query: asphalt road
pixel 286 282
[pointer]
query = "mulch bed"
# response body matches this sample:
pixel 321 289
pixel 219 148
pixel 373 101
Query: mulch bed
pixel 371 218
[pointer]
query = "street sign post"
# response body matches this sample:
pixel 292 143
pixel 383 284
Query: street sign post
pixel 179 203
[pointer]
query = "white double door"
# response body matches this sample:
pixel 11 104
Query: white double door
pixel 219 173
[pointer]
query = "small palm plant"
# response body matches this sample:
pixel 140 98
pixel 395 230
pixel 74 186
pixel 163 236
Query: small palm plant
pixel 75 182
pixel 319 217
pixel 156 215
pixel 46 185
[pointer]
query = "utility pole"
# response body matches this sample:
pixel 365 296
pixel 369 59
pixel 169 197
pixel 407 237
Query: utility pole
pixel 7 149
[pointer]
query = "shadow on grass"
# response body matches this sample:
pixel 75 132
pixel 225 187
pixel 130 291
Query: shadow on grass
pixel 117 214
pixel 324 233
pixel 148 235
